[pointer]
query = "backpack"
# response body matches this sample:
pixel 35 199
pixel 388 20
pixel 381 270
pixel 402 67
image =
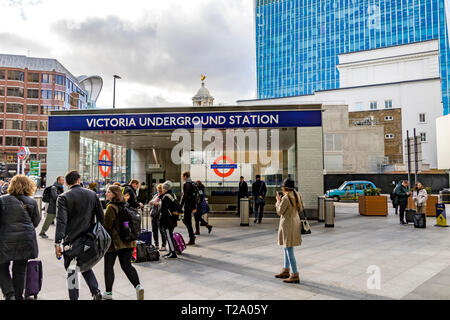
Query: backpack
pixel 194 196
pixel 175 210
pixel 46 196
pixel 130 223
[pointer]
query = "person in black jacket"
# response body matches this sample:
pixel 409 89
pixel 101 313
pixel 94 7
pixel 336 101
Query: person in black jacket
pixel 19 216
pixel 402 193
pixel 189 204
pixel 242 193
pixel 394 198
pixel 167 221
pixel 76 211
pixel 129 192
pixel 56 190
pixel 259 191
pixel 202 208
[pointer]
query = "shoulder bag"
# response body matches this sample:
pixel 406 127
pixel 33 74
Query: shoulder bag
pixel 258 200
pixel 304 223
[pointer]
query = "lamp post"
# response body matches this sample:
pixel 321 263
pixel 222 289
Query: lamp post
pixel 114 92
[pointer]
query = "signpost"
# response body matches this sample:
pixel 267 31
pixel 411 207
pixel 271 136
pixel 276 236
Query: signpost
pixel 22 156
pixel 35 168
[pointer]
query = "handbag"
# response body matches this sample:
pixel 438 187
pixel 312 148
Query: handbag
pixel 258 200
pixel 304 223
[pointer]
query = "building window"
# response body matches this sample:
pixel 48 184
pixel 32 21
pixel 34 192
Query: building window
pixel 2 74
pixel 61 80
pixel 43 142
pixel 32 109
pixel 33 93
pixel 359 106
pixel 13 141
pixel 47 78
pixel 333 142
pixel 422 118
pixel 389 136
pixel 11 157
pixel 43 125
pixel 14 108
pixel 59 95
pixel 31 142
pixel 15 75
pixel 44 109
pixel 15 92
pixel 46 94
pixel 13 125
pixel 388 118
pixel 423 137
pixel 388 104
pixel 31 125
pixel 33 77
pixel 2 107
pixel 33 156
pixel 2 91
pixel 1 124
pixel 373 105
pixel 43 158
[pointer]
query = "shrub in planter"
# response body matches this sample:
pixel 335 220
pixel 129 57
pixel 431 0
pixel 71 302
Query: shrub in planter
pixel 372 203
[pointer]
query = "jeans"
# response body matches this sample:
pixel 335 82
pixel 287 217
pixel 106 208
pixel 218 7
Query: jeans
pixel 259 211
pixel 289 259
pixel 72 281
pixel 125 256
pixel 169 237
pixel 13 287
pixel 187 220
pixel 155 228
pixel 48 221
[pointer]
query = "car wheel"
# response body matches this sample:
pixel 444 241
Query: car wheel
pixel 336 198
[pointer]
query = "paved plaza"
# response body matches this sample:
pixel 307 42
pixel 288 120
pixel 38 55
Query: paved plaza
pixel 236 262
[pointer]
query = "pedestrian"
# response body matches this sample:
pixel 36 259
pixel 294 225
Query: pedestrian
pixel 168 221
pixel 202 209
pixel 420 197
pixel 93 186
pixel 155 204
pixel 288 207
pixel 189 204
pixel 19 216
pixel 129 192
pixel 402 193
pixel 76 210
pixel 55 190
pixel 143 193
pixel 122 250
pixel 394 198
pixel 242 193
pixel 259 191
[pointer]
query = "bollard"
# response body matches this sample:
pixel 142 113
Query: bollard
pixel 244 210
pixel 206 216
pixel 329 213
pixel 321 209
pixel 39 203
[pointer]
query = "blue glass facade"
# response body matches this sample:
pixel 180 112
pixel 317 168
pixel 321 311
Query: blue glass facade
pixel 298 41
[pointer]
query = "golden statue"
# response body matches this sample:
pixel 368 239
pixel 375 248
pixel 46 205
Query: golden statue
pixel 203 77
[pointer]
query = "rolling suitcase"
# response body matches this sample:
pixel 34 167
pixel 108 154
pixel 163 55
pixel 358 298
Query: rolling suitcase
pixel 409 213
pixel 33 279
pixel 178 242
pixel 146 234
pixel 420 220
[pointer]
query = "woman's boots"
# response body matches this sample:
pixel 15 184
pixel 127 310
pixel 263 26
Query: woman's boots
pixel 293 278
pixel 284 274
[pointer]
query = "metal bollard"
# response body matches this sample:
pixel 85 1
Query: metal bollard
pixel 39 202
pixel 329 213
pixel 321 209
pixel 244 210
pixel 206 218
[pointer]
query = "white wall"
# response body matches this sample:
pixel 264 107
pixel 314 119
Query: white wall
pixel 443 142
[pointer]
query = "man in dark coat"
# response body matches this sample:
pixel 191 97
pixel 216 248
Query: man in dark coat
pixel 242 193
pixel 259 191
pixel 56 190
pixel 189 204
pixel 402 193
pixel 129 192
pixel 76 211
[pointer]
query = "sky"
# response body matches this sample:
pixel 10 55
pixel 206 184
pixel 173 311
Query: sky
pixel 159 48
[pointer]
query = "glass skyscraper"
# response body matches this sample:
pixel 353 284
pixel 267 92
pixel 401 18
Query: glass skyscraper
pixel 298 41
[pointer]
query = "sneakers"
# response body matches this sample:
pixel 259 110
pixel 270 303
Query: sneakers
pixel 172 255
pixel 403 222
pixel 98 296
pixel 43 236
pixel 209 228
pixel 256 220
pixel 191 243
pixel 107 296
pixel 139 292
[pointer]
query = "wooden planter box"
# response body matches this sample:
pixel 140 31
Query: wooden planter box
pixel 431 205
pixel 373 205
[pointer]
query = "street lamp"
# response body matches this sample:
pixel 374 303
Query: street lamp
pixel 114 92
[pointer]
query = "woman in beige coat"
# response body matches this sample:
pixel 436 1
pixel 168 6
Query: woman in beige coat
pixel 289 233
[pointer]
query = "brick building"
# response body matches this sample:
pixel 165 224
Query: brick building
pixel 29 88
pixel 391 119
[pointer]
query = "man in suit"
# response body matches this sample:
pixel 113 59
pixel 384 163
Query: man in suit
pixel 259 191
pixel 242 193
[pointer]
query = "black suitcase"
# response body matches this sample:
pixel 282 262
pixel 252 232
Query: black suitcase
pixel 410 215
pixel 420 220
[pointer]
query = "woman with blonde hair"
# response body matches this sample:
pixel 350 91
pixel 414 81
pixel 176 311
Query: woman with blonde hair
pixel 19 216
pixel 288 206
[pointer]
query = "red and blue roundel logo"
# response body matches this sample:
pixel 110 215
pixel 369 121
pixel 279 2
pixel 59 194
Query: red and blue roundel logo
pixel 228 164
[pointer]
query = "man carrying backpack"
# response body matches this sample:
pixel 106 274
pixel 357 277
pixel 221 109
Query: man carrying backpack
pixel 189 204
pixel 49 196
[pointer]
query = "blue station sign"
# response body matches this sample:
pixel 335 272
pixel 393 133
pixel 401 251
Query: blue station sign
pixel 171 121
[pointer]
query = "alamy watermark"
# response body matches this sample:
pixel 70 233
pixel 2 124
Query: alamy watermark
pixel 374 280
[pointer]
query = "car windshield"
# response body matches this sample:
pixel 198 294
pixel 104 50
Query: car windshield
pixel 342 186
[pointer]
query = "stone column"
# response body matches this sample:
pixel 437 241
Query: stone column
pixel 63 154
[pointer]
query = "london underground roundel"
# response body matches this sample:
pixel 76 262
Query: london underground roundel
pixel 228 163
pixel 102 163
